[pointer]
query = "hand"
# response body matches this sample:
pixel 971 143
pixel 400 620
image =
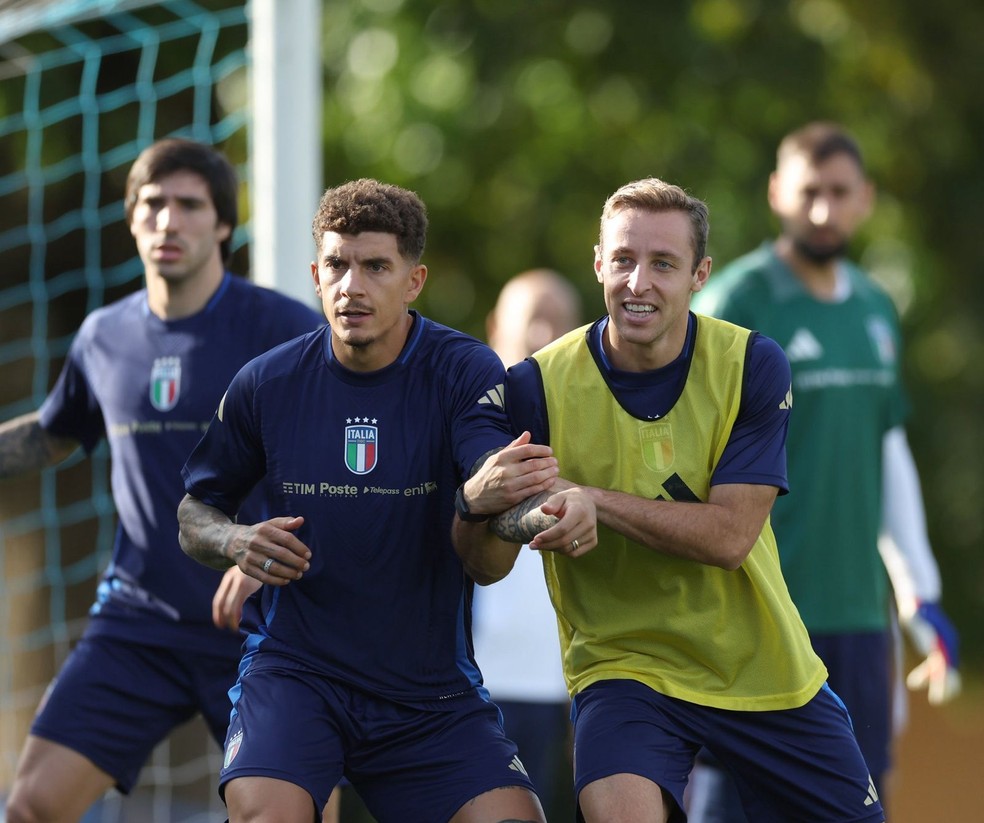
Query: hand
pixel 576 530
pixel 934 636
pixel 227 603
pixel 270 552
pixel 511 475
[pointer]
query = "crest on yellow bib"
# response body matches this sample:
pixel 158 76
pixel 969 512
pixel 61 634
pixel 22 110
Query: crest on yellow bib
pixel 657 445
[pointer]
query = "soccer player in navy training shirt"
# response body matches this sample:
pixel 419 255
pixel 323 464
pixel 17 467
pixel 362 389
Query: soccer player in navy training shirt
pixel 384 440
pixel 147 373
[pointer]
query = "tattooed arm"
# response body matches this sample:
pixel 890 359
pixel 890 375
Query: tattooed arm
pixel 519 489
pixel 498 481
pixel 26 447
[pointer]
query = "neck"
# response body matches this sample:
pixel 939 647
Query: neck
pixel 819 279
pixel 174 299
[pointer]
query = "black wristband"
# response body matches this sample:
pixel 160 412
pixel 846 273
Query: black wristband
pixel 461 506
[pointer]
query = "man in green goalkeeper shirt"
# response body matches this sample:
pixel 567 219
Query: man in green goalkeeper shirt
pixel 851 472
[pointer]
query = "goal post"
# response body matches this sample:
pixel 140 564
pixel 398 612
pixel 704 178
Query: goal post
pixel 286 149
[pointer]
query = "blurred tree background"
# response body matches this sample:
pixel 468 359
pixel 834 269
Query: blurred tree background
pixel 515 120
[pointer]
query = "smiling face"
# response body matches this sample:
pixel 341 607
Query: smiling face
pixel 645 263
pixel 365 286
pixel 177 229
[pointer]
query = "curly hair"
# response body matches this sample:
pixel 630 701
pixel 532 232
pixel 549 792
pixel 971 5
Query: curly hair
pixel 368 205
pixel 175 154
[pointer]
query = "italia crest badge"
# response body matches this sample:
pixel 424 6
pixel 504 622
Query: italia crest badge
pixel 165 383
pixel 361 446
pixel 232 749
pixel 657 446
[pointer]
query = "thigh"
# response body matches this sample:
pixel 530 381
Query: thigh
pixel 427 766
pixel 112 702
pixel 53 782
pixel 796 764
pixel 268 798
pixel 623 728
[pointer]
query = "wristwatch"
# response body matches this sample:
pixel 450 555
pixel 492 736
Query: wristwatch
pixel 461 506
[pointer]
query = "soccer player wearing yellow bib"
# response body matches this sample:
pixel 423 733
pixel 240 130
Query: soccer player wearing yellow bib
pixel 677 629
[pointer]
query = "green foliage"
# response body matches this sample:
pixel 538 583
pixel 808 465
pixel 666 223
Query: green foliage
pixel 515 120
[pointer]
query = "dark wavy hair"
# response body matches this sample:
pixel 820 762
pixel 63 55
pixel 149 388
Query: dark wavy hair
pixel 177 154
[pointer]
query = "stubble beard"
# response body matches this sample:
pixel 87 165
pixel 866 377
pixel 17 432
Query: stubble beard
pixel 820 254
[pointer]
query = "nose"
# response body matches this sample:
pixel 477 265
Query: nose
pixel 166 217
pixel 819 211
pixel 349 282
pixel 636 283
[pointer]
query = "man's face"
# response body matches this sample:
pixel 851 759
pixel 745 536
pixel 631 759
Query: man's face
pixel 645 263
pixel 365 286
pixel 820 206
pixel 176 227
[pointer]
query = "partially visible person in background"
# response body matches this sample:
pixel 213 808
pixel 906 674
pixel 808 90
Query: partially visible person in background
pixel 147 373
pixel 514 626
pixel 851 472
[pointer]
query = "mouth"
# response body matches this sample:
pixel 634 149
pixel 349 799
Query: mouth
pixel 353 314
pixel 638 311
pixel 167 252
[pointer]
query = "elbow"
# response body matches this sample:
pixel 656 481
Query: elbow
pixel 732 556
pixel 486 574
pixel 484 578
pixel 183 542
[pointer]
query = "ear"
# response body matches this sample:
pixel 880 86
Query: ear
pixel 316 276
pixel 490 325
pixel 773 191
pixel 418 276
pixel 597 263
pixel 700 276
pixel 870 196
pixel 224 231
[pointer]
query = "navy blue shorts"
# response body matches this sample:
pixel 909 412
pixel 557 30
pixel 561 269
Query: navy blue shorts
pixel 796 764
pixel 860 671
pixel 114 701
pixel 297 726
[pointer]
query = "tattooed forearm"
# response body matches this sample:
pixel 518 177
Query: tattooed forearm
pixel 203 532
pixel 26 447
pixel 524 521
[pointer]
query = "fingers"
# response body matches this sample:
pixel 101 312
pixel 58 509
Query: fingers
pixel 569 544
pixel 941 682
pixel 576 531
pixel 222 600
pixel 274 555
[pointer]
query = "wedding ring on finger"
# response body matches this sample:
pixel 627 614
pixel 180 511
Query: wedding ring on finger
pixel 574 545
pixel 267 564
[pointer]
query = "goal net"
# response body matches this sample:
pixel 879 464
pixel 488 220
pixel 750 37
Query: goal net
pixel 85 85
